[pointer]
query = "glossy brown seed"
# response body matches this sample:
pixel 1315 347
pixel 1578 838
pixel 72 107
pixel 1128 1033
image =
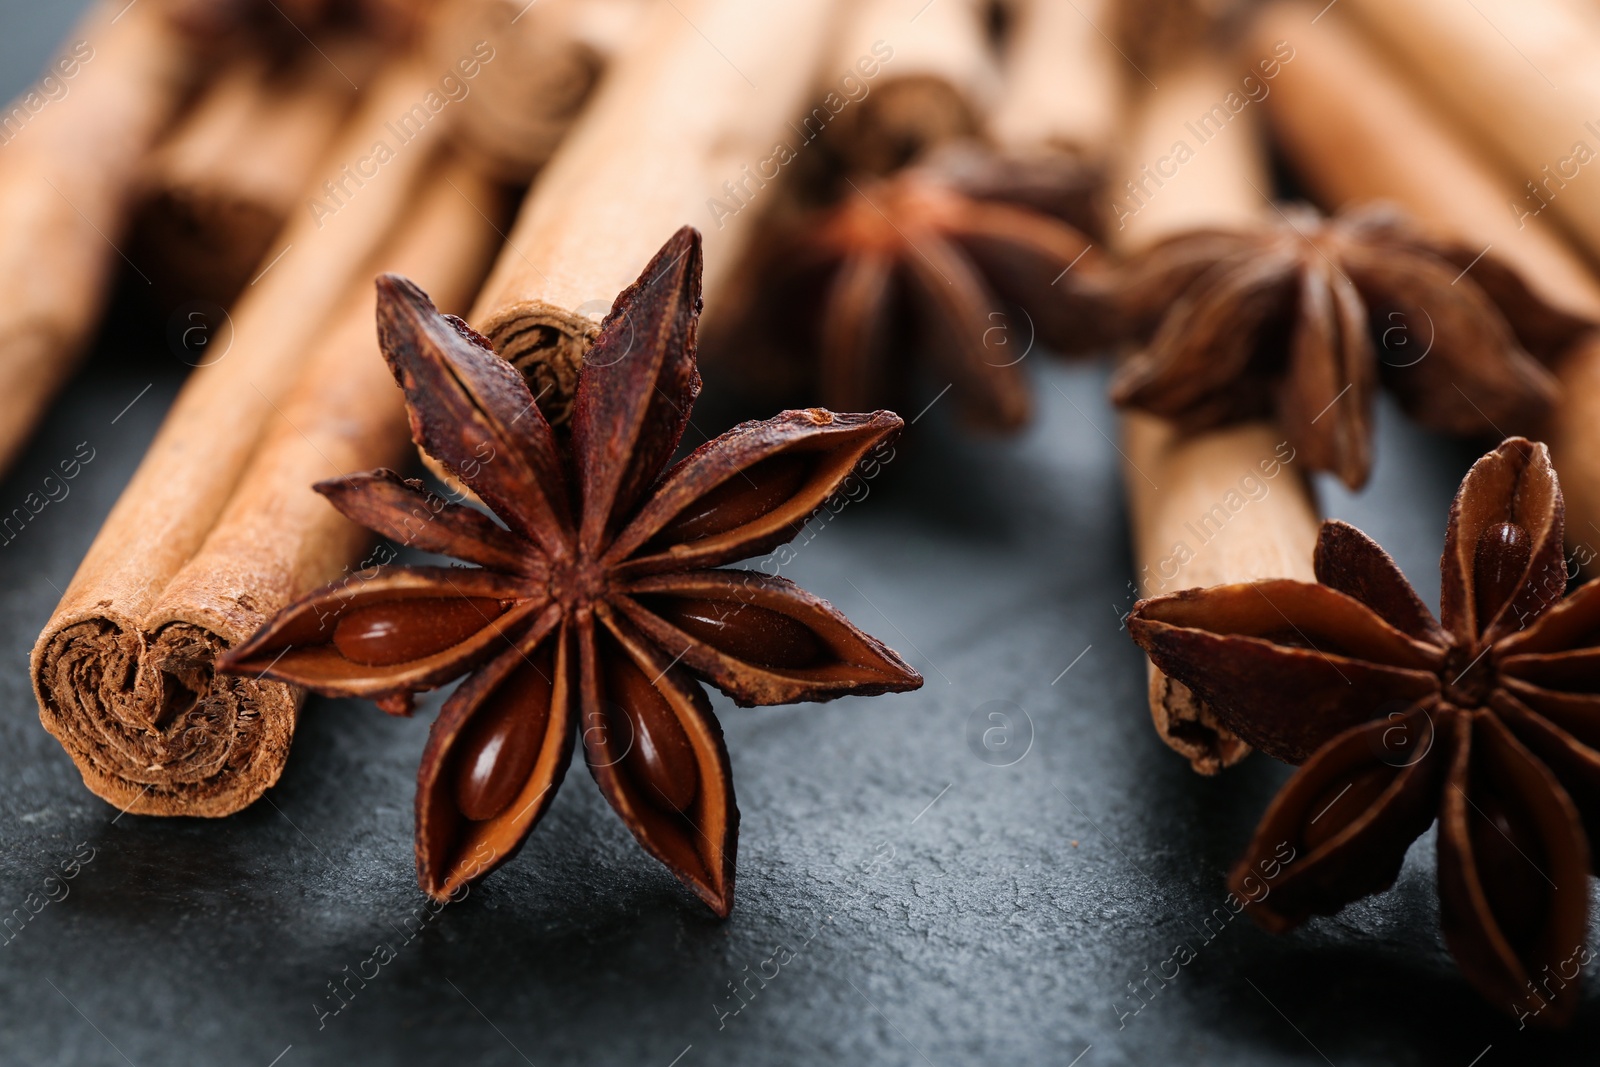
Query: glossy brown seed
pixel 497 751
pixel 1510 864
pixel 754 634
pixel 658 755
pixel 1342 803
pixel 402 630
pixel 742 499
pixel 1499 561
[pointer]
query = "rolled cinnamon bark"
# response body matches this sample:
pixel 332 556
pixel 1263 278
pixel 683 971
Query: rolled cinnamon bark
pixel 121 669
pixel 1523 79
pixel 135 700
pixel 1225 505
pixel 221 183
pixel 678 133
pixel 939 79
pixel 549 58
pixel 1060 108
pixel 69 149
pixel 1354 128
pixel 1062 82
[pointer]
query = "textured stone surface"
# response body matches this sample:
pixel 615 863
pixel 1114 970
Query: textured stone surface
pixel 907 901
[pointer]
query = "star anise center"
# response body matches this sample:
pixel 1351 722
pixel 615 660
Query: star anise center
pixel 579 582
pixel 1469 677
pixel 871 225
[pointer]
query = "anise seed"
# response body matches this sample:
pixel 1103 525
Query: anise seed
pixel 1506 856
pixel 382 634
pixel 743 498
pixel 658 757
pixel 754 634
pixel 497 751
pixel 1499 561
pixel 1342 803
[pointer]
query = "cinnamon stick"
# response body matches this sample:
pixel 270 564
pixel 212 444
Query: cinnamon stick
pixel 223 180
pixel 549 58
pixel 1059 110
pixel 678 133
pixel 69 146
pixel 136 702
pixel 939 79
pixel 1063 82
pixel 116 681
pixel 1226 505
pixel 1354 128
pixel 1523 79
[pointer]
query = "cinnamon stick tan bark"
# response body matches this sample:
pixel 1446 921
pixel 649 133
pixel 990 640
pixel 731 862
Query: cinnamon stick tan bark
pixel 1063 82
pixel 549 58
pixel 692 126
pixel 135 700
pixel 939 80
pixel 1227 505
pixel 221 183
pixel 1522 77
pixel 70 146
pixel 119 670
pixel 1354 129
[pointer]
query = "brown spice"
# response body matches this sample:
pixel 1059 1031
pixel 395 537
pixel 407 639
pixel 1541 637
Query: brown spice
pixel 913 265
pixel 1520 79
pixel 1277 321
pixel 599 602
pixel 1485 720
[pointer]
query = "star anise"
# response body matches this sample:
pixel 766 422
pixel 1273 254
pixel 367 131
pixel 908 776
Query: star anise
pixel 1489 722
pixel 597 604
pixel 921 264
pixel 1280 320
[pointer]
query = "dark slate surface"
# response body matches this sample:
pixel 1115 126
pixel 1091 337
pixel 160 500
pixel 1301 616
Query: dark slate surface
pixel 907 895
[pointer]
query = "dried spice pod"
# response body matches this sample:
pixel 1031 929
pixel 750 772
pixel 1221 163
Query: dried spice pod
pixel 911 267
pixel 600 601
pixel 1485 718
pixel 935 263
pixel 1217 307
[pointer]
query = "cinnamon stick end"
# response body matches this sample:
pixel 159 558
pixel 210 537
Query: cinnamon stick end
pixel 1190 729
pixel 151 727
pixel 547 345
